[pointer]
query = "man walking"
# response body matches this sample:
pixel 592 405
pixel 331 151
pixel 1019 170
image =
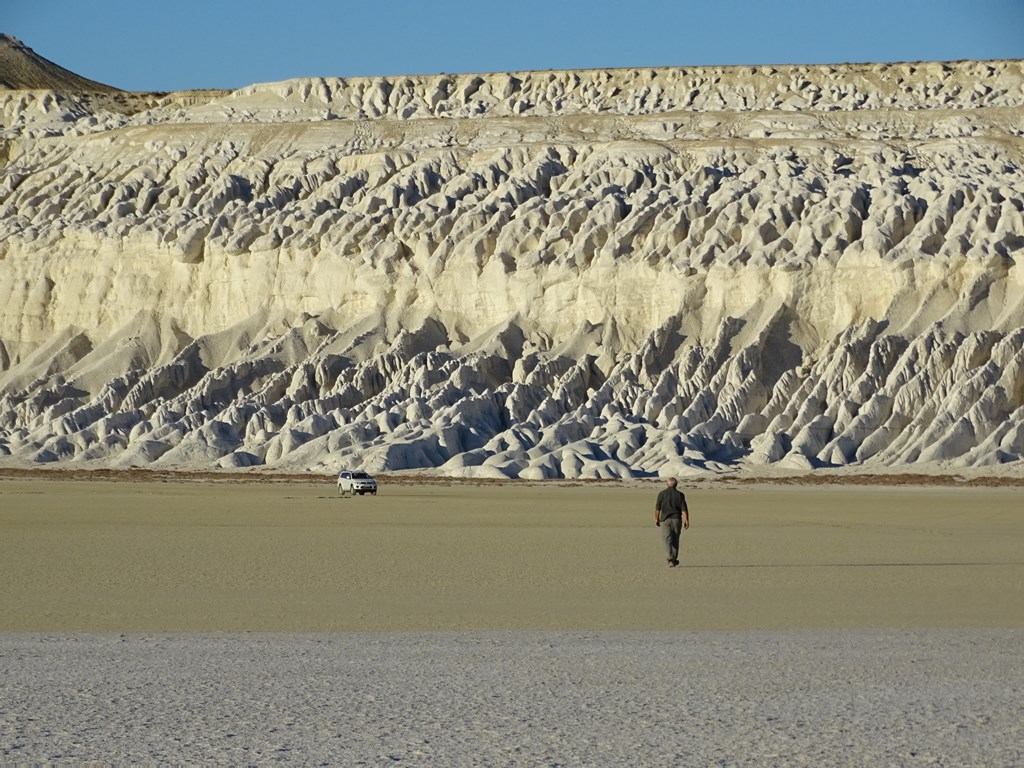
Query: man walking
pixel 672 516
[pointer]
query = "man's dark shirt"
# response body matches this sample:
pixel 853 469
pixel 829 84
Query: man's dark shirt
pixel 671 503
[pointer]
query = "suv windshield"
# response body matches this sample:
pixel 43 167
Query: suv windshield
pixel 360 476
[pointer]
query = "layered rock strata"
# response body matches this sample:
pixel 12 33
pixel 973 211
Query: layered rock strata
pixel 537 275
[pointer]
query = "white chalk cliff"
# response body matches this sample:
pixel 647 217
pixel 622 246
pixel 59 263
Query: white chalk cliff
pixel 537 275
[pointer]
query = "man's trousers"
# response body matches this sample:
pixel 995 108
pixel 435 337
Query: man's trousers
pixel 670 530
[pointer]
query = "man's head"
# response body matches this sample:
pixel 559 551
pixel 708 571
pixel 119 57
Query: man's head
pixel 671 482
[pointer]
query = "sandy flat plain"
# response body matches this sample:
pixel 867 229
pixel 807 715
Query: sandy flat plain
pixel 230 557
pixel 512 625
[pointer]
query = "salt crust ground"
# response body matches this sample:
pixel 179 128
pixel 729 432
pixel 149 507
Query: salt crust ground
pixel 864 697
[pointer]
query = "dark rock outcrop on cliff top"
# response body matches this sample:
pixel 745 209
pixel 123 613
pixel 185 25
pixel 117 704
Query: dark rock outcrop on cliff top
pixel 23 68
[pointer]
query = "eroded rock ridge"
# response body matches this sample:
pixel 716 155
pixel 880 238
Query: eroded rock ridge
pixel 537 275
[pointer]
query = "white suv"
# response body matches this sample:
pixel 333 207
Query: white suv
pixel 356 482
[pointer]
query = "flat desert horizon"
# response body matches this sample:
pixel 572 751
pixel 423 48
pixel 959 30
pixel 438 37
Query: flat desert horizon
pixel 512 624
pixel 197 557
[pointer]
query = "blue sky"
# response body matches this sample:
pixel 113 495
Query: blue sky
pixel 177 44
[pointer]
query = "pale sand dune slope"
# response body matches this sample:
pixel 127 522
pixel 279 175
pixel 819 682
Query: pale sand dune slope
pixel 538 275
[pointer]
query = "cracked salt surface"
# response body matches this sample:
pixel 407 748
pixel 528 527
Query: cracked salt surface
pixel 866 697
